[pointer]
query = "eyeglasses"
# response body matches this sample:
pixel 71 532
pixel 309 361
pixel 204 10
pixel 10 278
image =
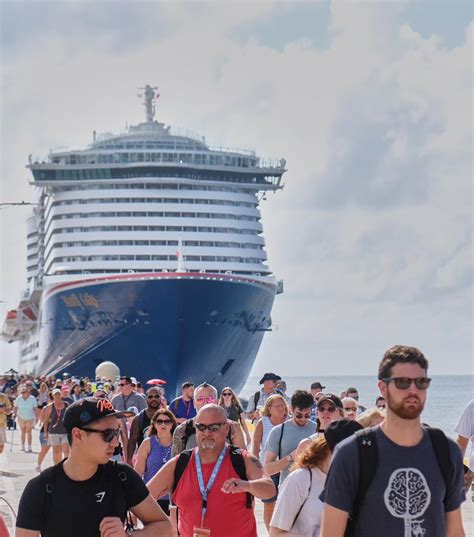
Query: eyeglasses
pixel 206 399
pixel 163 422
pixel 108 434
pixel 125 384
pixel 212 427
pixel 403 383
pixel 153 396
pixel 327 408
pixel 350 409
pixel 226 394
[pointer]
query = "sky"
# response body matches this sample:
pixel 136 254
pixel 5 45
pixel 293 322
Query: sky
pixel 370 103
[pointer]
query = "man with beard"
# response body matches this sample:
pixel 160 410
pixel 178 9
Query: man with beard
pixel 142 421
pixel 410 492
pixel 210 494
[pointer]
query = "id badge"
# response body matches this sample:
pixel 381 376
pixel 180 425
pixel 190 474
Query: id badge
pixel 199 531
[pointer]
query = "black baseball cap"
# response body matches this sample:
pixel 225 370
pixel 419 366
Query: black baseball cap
pixel 269 376
pixel 334 399
pixel 338 431
pixel 317 386
pixel 86 411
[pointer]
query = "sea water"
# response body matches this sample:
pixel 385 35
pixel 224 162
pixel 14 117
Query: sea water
pixel 447 395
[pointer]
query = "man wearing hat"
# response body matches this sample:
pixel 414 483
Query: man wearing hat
pixel 257 401
pixel 87 494
pixel 316 388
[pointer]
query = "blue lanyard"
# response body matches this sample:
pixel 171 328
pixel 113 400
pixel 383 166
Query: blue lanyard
pixel 205 489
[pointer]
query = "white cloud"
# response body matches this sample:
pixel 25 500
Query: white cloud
pixel 376 131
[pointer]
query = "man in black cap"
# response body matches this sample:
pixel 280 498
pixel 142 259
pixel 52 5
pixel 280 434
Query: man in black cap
pixel 316 388
pixel 87 494
pixel 257 401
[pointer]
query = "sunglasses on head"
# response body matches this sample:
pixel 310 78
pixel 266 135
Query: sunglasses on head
pixel 206 399
pixel 108 434
pixel 153 396
pixel 163 422
pixel 212 427
pixel 403 383
pixel 226 394
pixel 329 408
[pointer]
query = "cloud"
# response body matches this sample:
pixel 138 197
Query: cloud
pixel 372 231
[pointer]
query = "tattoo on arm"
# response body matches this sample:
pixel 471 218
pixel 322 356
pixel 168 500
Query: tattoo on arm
pixel 256 461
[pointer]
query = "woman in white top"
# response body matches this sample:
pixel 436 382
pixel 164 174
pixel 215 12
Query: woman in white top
pixel 274 412
pixel 298 509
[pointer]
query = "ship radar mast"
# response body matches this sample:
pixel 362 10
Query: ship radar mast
pixel 149 98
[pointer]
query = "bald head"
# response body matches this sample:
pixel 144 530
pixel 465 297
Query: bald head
pixel 212 411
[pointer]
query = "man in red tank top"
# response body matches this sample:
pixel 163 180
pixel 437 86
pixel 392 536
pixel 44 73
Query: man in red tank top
pixel 210 494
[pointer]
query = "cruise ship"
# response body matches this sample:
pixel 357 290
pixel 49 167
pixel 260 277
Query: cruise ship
pixel 146 249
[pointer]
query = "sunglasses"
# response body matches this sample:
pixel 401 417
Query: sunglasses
pixel 212 427
pixel 350 409
pixel 206 399
pixel 403 383
pixel 126 384
pixel 153 396
pixel 226 394
pixel 327 408
pixel 163 422
pixel 108 434
pixel 299 416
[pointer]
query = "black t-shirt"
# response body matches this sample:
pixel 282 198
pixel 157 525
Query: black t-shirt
pixel 76 508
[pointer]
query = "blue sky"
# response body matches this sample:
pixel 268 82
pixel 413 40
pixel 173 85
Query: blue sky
pixel 369 103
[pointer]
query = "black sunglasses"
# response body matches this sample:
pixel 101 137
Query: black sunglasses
pixel 163 422
pixel 153 396
pixel 108 434
pixel 212 427
pixel 226 394
pixel 329 408
pixel 125 384
pixel 403 383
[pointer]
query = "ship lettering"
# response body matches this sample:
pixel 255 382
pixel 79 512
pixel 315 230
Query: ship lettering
pixel 72 301
pixel 89 300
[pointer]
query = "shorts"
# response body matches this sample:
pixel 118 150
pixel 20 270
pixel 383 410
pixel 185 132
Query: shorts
pixel 276 481
pixel 43 440
pixel 57 439
pixel 3 436
pixel 24 423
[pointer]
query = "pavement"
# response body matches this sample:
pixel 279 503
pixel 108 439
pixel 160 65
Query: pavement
pixel 17 468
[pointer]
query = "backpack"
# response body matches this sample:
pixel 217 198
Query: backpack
pixel 236 458
pixel 368 462
pixel 119 479
pixel 256 399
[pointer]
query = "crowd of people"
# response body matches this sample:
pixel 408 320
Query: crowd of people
pixel 323 465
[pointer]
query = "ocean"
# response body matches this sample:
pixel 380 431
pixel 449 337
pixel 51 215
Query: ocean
pixel 447 395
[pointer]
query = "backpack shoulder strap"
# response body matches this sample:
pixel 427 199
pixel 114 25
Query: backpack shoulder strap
pixel 181 464
pixel 175 405
pixel 279 441
pixel 368 462
pixel 442 452
pixel 305 500
pixel 238 463
pixel 256 398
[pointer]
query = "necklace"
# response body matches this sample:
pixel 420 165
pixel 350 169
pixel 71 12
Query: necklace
pixel 165 452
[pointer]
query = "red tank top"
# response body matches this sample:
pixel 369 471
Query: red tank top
pixel 227 514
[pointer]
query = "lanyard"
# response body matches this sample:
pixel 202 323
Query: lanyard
pixel 205 489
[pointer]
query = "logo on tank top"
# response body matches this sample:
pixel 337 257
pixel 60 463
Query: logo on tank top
pixel 100 496
pixel 408 496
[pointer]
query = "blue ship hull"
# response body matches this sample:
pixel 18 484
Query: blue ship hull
pixel 178 327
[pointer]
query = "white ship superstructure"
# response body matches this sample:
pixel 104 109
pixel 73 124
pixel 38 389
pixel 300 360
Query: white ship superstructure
pixel 150 201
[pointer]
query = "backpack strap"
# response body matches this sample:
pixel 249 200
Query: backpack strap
pixel 305 500
pixel 442 452
pixel 189 430
pixel 181 464
pixel 279 441
pixel 175 405
pixel 368 462
pixel 49 476
pixel 238 463
pixel 256 399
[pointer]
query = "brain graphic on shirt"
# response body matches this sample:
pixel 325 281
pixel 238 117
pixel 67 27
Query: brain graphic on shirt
pixel 407 494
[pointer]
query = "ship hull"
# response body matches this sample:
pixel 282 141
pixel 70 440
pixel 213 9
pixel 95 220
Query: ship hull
pixel 177 327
